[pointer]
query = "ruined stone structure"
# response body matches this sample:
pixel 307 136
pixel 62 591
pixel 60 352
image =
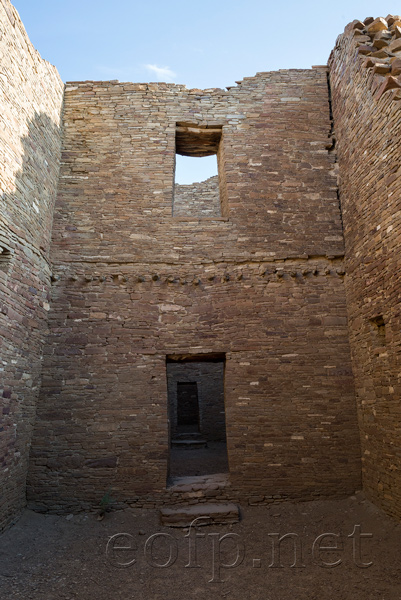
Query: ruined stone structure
pixel 365 69
pixel 31 96
pixel 239 286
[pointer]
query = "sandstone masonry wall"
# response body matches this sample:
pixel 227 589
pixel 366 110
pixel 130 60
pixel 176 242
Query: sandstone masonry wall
pixel 201 199
pixel 262 284
pixel 30 109
pixel 365 69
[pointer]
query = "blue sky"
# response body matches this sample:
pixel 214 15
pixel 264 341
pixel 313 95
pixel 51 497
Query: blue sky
pixel 204 44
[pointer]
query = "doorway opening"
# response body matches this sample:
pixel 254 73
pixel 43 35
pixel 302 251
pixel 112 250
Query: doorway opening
pixel 187 407
pixel 196 415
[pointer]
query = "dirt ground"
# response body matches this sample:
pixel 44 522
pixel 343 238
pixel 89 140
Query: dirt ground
pixel 69 557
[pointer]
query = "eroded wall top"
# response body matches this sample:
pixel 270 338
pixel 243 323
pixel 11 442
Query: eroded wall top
pixel 378 43
pixel 366 97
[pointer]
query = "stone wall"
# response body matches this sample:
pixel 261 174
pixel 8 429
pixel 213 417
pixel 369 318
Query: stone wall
pixel 262 284
pixel 30 108
pixel 200 199
pixel 365 69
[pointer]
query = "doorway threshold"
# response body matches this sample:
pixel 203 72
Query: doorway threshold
pixel 197 483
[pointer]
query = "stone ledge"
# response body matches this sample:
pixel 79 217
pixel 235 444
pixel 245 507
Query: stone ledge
pixel 200 482
pixel 204 514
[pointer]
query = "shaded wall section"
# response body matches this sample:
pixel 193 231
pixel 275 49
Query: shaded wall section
pixel 262 285
pixel 30 110
pixel 366 100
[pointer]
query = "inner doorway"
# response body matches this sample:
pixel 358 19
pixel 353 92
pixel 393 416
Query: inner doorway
pixel 187 407
pixel 196 415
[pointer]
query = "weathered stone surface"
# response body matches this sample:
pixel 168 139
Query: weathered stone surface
pixel 395 45
pixel 107 462
pixel 161 285
pixel 382 53
pixel 382 68
pixel 200 514
pixel 190 444
pixel 396 67
pixel 369 150
pixel 248 266
pixel 368 21
pixel 198 199
pixel 382 39
pixel 31 95
pixel 371 61
pixel 366 49
pixel 380 43
pixel 390 83
pixel 378 24
pixel 357 25
pixel 391 19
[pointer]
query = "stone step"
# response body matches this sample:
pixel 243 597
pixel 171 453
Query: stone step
pixel 189 444
pixel 196 483
pixel 190 435
pixel 211 514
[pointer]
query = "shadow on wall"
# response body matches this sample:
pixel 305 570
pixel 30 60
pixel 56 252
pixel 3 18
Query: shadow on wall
pixel 27 202
pixel 26 214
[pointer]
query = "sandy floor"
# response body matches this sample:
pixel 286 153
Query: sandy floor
pixel 60 558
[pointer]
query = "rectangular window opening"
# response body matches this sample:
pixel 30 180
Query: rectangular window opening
pixel 378 328
pixel 5 258
pixel 199 180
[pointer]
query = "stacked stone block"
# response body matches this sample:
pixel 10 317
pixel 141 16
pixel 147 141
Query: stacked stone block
pixel 31 95
pixel 367 116
pixel 200 199
pixel 248 265
pixel 262 284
